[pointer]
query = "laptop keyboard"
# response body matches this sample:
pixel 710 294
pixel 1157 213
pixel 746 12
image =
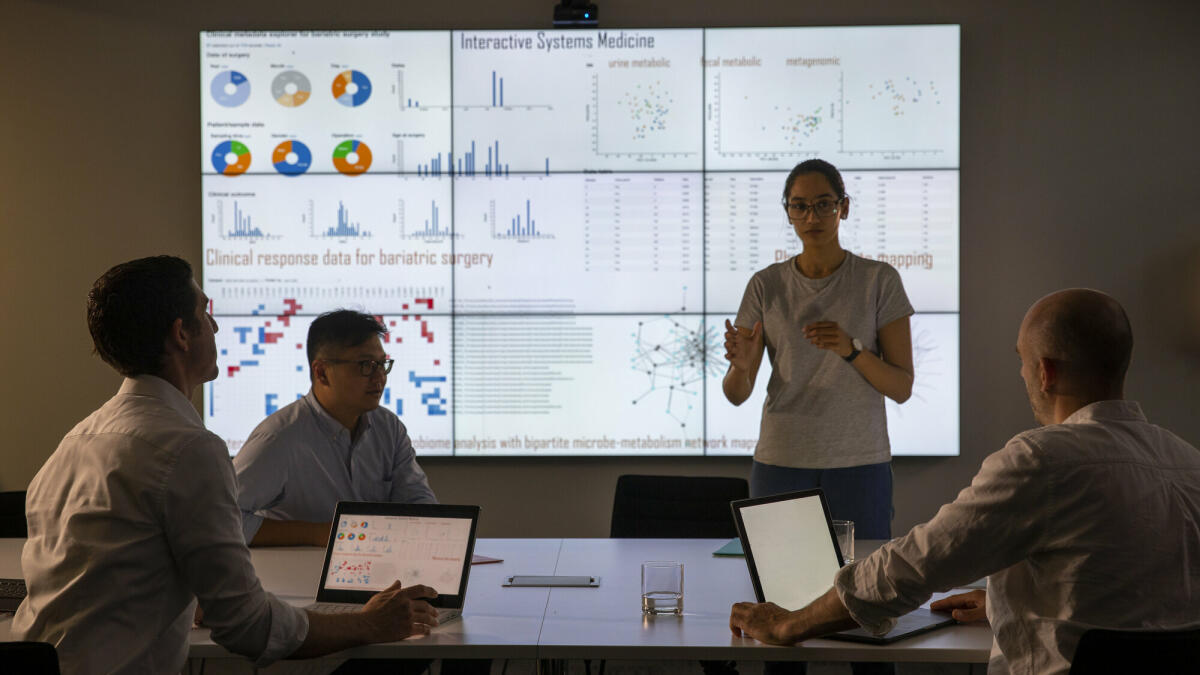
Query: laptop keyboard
pixel 12 592
pixel 444 614
pixel 333 608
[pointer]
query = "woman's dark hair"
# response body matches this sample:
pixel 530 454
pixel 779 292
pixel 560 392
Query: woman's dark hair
pixel 816 166
pixel 131 308
pixel 341 328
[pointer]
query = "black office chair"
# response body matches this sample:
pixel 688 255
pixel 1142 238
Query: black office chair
pixel 679 507
pixel 35 658
pixel 676 507
pixel 1126 651
pixel 12 515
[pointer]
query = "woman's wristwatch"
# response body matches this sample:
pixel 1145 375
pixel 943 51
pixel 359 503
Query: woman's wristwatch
pixel 856 347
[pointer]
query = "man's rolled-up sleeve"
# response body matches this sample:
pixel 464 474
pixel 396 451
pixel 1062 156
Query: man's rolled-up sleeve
pixel 203 529
pixel 992 524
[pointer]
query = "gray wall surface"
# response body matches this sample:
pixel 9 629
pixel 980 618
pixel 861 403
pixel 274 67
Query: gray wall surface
pixel 1079 142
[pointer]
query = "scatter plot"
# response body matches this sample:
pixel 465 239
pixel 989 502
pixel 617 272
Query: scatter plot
pixel 648 108
pixel 901 95
pixel 674 358
pixel 800 126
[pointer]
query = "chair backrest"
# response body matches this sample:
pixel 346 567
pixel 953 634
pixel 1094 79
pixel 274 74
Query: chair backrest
pixel 675 506
pixel 1120 651
pixel 35 658
pixel 12 515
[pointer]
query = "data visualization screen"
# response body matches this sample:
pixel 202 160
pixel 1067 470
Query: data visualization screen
pixel 370 552
pixel 555 225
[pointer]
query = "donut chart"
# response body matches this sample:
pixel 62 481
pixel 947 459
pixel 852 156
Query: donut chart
pixel 230 88
pixel 291 88
pixel 351 88
pixel 231 158
pixel 291 158
pixel 352 157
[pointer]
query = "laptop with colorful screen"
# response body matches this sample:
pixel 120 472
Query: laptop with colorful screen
pixel 373 544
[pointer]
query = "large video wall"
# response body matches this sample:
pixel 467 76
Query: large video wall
pixel 554 225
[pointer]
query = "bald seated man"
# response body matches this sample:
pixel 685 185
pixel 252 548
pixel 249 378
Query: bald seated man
pixel 1088 521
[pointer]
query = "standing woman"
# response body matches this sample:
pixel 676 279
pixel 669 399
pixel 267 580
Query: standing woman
pixel 836 331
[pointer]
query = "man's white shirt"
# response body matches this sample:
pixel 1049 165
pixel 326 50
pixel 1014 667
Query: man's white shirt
pixel 1092 523
pixel 131 519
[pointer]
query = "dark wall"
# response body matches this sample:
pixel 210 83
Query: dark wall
pixel 1079 143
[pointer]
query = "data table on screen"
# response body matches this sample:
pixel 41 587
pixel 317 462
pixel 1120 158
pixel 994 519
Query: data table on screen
pixel 605 243
pixel 908 219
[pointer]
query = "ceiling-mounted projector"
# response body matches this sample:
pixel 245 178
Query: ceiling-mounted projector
pixel 575 14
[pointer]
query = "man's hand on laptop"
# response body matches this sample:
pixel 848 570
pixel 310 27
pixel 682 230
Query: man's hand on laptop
pixel 396 613
pixel 763 621
pixel 966 607
pixel 770 623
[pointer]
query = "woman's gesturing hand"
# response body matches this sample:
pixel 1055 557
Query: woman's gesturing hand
pixel 829 335
pixel 743 345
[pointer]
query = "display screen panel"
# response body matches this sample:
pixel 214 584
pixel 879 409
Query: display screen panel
pixel 554 225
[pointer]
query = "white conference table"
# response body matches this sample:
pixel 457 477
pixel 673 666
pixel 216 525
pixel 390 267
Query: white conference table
pixel 553 625
pixel 586 623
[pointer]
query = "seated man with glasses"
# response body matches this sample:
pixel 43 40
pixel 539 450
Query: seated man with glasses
pixel 334 444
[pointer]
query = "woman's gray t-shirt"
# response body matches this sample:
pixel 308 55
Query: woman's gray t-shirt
pixel 820 413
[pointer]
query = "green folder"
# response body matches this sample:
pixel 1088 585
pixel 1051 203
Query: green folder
pixel 732 548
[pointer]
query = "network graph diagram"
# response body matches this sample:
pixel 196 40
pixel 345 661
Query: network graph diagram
pixel 599 384
pixel 929 359
pixel 676 357
pixel 927 424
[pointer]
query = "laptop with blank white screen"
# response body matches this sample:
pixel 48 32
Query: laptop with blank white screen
pixel 792 554
pixel 373 544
